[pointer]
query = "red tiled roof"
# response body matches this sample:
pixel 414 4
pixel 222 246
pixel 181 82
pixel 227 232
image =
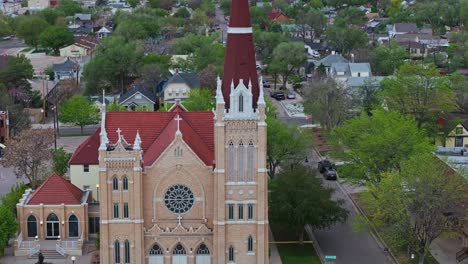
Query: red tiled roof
pixel 277 15
pixel 157 130
pixel 239 60
pixel 56 190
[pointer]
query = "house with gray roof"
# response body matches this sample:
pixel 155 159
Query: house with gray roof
pixel 66 70
pixel 138 97
pixel 179 86
pixel 329 60
pixel 350 70
pixel 402 28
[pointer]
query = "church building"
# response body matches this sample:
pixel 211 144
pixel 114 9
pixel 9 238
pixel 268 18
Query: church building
pixel 180 187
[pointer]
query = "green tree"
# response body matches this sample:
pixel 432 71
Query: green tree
pixel 464 11
pixel 375 144
pixel 131 30
pixel 346 39
pixel 459 84
pixel 289 56
pixel 55 37
pixel 205 50
pixel 200 22
pixel 51 15
pixel 266 42
pixel 259 17
pixel 199 100
pixel 79 111
pixel 18 118
pixel 19 69
pixel 8 225
pixel 182 13
pixel 30 28
pixel 116 107
pixel 208 7
pixel 114 65
pixel 386 59
pixel 226 6
pixel 69 7
pixel 297 198
pixel 11 199
pixel 458 51
pixel 285 144
pixel 419 90
pixel 421 202
pixel 133 3
pixel 60 160
pixel 5 28
pixel 328 103
pixel 351 16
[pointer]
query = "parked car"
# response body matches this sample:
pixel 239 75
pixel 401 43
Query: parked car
pixel 325 165
pixel 278 95
pixel 266 85
pixel 330 174
pixel 291 95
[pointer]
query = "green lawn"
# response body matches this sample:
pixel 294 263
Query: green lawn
pixel 293 253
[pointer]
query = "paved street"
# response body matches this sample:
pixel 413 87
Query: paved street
pixel 10 47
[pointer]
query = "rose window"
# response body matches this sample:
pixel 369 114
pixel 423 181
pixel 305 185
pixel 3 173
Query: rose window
pixel 179 199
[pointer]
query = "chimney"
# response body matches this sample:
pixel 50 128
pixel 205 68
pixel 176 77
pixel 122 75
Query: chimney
pixel 239 63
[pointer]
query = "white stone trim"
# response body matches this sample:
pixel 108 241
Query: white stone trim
pixel 250 253
pixel 137 169
pixel 245 222
pixel 120 159
pixel 240 202
pixel 219 170
pixel 262 170
pixel 122 221
pixel 239 30
pixel 231 183
pixel 103 169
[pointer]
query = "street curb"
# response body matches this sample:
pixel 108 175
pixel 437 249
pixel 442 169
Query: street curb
pixel 315 243
pixel 359 211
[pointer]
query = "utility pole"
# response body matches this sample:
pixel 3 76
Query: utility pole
pixel 43 101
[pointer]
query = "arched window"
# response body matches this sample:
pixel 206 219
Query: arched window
pixel 179 250
pixel 125 183
pixel 72 226
pixel 250 244
pixel 203 250
pixel 115 184
pixel 156 250
pixel 52 226
pixel 250 162
pixel 231 162
pixel 240 160
pixel 32 226
pixel 231 254
pixel 117 251
pixel 127 251
pixel 241 103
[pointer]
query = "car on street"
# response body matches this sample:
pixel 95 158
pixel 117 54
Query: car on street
pixel 330 174
pixel 278 95
pixel 291 95
pixel 325 165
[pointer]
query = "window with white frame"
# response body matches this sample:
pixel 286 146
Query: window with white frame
pixel 125 210
pixel 250 211
pixel 116 210
pixel 250 244
pixel 231 162
pixel 250 162
pixel 240 160
pixel 231 254
pixel 240 212
pixel 230 212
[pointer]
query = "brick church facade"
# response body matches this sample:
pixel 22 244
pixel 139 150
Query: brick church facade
pixel 186 187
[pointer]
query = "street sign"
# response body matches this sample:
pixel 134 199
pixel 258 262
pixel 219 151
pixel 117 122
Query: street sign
pixel 330 257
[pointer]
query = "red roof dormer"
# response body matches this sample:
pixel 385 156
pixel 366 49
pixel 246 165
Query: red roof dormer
pixel 239 62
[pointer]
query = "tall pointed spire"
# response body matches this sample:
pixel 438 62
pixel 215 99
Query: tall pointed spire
pixel 103 134
pixel 137 143
pixel 219 91
pixel 239 60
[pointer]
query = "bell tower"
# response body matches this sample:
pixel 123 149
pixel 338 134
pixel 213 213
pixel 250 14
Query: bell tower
pixel 240 178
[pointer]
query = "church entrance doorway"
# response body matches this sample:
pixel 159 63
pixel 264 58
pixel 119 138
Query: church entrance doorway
pixel 156 255
pixel 52 225
pixel 179 255
pixel 203 255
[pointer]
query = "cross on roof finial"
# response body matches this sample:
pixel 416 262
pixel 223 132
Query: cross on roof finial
pixel 178 124
pixel 118 133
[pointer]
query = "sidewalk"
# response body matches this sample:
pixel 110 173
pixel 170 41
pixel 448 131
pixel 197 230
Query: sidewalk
pixel 274 254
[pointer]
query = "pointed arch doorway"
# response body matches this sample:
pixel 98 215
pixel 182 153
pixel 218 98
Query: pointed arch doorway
pixel 179 255
pixel 156 255
pixel 203 255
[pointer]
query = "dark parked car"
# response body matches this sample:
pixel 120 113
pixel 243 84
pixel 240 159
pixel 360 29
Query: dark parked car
pixel 266 85
pixel 278 95
pixel 324 165
pixel 330 174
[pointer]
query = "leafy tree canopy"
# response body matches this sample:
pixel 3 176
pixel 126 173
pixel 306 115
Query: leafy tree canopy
pixel 60 160
pixel 297 198
pixel 288 57
pixel 79 111
pixel 386 59
pixel 69 7
pixel 30 28
pixel 55 37
pixel 199 100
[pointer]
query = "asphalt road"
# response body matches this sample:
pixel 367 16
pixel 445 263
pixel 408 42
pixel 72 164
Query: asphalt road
pixel 341 240
pixel 10 45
